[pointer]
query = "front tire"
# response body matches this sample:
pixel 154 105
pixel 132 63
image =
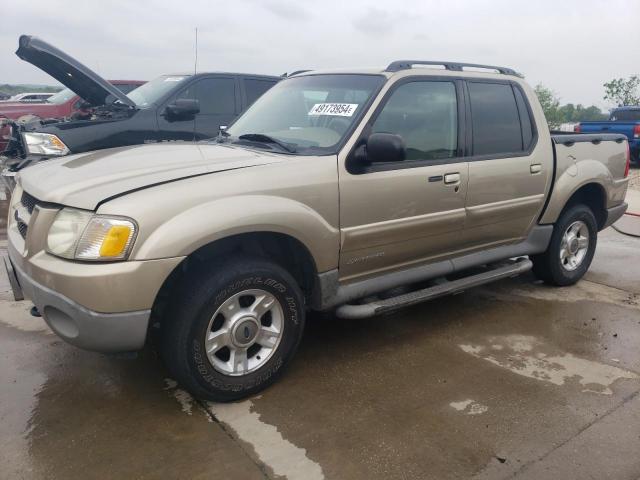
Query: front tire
pixel 571 249
pixel 233 328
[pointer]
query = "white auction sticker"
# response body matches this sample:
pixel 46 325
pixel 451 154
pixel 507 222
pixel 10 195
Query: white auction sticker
pixel 339 109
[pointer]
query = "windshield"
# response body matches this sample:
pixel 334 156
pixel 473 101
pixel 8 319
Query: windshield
pixel 61 97
pixel 149 93
pixel 625 115
pixel 311 114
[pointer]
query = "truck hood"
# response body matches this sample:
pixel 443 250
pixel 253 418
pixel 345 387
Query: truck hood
pixel 85 180
pixel 68 71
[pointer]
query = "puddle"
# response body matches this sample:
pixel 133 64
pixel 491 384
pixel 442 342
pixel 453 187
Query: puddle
pixel 280 455
pixel 184 398
pixel 580 292
pixel 469 407
pixel 16 315
pixel 529 357
pixel 19 401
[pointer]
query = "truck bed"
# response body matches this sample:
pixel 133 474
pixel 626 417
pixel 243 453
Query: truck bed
pixel 569 138
pixel 610 149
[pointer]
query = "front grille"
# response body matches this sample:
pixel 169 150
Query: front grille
pixel 22 227
pixel 23 212
pixel 29 202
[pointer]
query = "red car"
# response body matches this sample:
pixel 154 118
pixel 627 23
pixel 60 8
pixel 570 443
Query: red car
pixel 63 104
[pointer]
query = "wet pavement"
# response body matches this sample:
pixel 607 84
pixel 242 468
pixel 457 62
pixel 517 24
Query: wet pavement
pixel 512 380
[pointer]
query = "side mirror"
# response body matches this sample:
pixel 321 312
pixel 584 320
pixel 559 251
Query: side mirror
pixel 182 109
pixel 386 147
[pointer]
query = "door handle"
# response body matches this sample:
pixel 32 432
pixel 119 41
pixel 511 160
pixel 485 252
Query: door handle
pixel 450 178
pixel 535 168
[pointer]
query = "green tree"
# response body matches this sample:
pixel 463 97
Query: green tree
pixel 550 105
pixel 557 114
pixel 571 113
pixel 623 91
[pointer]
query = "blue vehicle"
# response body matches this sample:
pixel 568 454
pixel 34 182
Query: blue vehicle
pixel 625 120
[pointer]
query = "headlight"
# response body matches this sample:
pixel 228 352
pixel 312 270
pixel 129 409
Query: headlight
pixel 82 235
pixel 44 144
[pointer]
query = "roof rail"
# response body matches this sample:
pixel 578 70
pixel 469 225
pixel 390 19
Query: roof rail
pixel 454 66
pixel 286 75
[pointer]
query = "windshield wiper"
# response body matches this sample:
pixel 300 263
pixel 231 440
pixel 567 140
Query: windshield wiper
pixel 262 138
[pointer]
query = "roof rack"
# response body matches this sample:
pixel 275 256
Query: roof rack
pixel 454 66
pixel 297 72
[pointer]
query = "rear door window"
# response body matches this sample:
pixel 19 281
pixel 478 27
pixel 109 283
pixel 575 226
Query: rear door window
pixel 254 88
pixel 495 119
pixel 526 122
pixel 425 115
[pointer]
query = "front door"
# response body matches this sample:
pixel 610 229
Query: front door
pixel 396 214
pixel 219 105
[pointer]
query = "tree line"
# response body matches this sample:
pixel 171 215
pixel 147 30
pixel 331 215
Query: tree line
pixel 621 91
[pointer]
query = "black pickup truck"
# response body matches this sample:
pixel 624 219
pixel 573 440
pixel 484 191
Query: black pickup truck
pixel 171 107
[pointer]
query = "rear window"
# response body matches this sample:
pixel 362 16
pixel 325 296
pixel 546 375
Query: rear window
pixel 625 116
pixel 495 119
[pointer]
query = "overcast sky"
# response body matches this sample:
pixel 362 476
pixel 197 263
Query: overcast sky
pixel 572 46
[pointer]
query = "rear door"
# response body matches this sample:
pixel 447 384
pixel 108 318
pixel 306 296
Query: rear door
pixel 510 165
pixel 398 213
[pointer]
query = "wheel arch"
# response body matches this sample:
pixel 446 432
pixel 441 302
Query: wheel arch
pixel 594 196
pixel 587 185
pixel 285 250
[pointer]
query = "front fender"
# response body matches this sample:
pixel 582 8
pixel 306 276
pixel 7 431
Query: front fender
pixel 184 233
pixel 575 174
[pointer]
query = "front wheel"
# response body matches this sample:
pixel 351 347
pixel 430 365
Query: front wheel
pixel 571 249
pixel 233 328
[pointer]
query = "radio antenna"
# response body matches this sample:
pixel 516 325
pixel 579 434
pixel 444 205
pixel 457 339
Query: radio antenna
pixel 195 66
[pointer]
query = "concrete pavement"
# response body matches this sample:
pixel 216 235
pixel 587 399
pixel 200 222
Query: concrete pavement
pixel 629 224
pixel 514 380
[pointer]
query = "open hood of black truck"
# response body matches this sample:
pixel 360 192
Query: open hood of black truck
pixel 68 71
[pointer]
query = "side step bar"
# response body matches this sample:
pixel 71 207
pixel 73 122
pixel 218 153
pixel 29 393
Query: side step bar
pixel 380 306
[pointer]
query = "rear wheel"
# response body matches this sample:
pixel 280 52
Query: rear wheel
pixel 571 249
pixel 233 328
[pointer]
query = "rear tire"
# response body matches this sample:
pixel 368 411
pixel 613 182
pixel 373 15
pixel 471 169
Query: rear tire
pixel 232 328
pixel 571 249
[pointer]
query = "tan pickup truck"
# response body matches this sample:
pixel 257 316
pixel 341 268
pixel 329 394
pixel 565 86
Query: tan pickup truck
pixel 357 192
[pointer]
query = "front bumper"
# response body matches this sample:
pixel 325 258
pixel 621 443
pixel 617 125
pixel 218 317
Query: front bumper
pixel 79 326
pixel 103 307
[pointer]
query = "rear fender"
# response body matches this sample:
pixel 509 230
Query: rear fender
pixel 575 174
